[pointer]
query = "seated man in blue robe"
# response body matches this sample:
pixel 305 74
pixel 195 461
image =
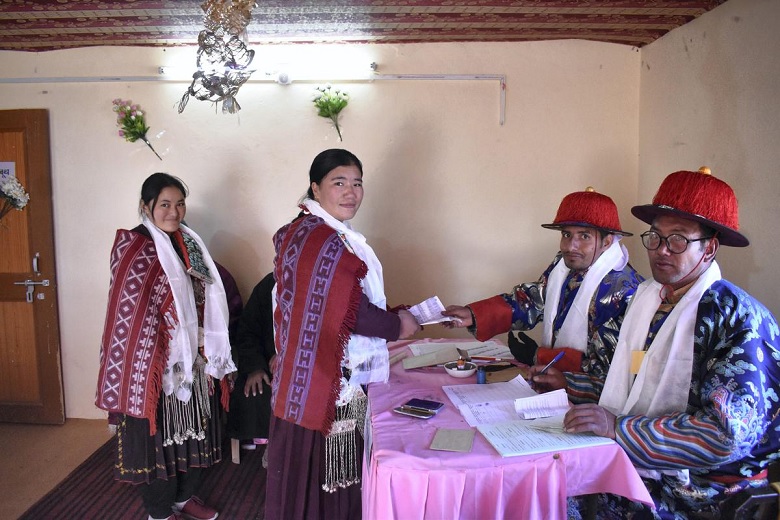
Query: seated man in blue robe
pixel 692 393
pixel 580 298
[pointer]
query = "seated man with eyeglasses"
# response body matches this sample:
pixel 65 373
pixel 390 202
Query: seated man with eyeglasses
pixel 692 394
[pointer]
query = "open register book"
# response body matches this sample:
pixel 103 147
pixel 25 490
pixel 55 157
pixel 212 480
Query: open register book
pixel 497 410
pixel 429 354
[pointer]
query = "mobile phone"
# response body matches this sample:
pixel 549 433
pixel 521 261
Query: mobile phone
pixel 423 404
pixel 414 412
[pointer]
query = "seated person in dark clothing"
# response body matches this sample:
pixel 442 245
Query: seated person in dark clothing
pixel 234 301
pixel 253 352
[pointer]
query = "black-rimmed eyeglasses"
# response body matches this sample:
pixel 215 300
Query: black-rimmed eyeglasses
pixel 674 243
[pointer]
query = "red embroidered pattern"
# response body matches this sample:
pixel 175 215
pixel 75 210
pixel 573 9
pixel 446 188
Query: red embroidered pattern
pixel 135 337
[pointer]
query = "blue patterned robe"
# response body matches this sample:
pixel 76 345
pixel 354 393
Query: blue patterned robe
pixel 526 305
pixel 730 431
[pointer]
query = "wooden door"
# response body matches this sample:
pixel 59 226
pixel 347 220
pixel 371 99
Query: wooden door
pixel 30 370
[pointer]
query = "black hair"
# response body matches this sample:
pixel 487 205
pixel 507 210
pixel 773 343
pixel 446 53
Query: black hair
pixel 706 231
pixel 328 160
pixel 157 182
pixel 603 233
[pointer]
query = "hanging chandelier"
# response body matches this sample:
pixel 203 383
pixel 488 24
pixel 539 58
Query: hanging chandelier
pixel 223 57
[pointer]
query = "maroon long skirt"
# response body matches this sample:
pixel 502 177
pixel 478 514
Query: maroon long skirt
pixel 296 471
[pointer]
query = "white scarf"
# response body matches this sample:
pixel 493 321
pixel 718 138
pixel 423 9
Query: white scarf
pixel 367 357
pixel 574 331
pixel 183 346
pixel 663 382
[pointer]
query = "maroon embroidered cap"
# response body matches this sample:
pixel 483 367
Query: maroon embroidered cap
pixel 588 209
pixel 701 197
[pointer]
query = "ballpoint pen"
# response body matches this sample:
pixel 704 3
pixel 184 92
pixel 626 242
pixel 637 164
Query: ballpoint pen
pixel 551 363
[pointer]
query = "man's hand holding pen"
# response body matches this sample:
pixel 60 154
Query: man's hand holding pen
pixel 546 378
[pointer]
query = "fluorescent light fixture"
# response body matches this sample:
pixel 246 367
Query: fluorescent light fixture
pixel 286 73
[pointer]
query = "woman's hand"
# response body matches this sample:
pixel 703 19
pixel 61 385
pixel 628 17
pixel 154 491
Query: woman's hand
pixel 552 379
pixel 461 314
pixel 254 382
pixel 409 325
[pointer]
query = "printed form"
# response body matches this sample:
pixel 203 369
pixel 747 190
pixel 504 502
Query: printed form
pixel 503 413
pixel 518 438
pixel 429 311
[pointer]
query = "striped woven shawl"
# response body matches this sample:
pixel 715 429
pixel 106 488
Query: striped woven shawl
pixel 318 294
pixel 135 336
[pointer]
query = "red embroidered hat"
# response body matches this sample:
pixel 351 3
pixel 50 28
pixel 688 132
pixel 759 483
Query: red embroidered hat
pixel 588 209
pixel 700 197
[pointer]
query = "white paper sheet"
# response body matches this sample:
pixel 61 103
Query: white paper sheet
pixel 552 424
pixel 474 348
pixel 542 405
pixel 517 438
pixel 488 413
pixel 429 312
pixel 438 357
pixel 481 394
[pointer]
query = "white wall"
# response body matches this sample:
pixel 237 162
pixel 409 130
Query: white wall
pixel 453 200
pixel 709 96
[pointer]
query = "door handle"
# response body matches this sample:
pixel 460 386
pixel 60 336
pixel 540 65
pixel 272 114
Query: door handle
pixel 30 284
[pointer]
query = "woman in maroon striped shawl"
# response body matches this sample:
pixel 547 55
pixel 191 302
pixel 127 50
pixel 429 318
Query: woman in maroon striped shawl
pixel 332 326
pixel 164 352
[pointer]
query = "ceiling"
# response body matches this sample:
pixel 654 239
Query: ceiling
pixel 43 25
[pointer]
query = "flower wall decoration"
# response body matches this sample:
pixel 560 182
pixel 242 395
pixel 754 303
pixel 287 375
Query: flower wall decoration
pixel 329 103
pixel 12 195
pixel 132 123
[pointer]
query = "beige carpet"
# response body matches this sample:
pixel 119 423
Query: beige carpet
pixel 35 458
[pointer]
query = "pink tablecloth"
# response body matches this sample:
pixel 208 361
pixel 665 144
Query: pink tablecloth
pixel 404 479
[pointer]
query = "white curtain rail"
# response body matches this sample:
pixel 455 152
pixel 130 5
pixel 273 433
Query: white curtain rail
pixel 501 78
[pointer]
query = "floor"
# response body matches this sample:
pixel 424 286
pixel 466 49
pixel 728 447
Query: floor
pixel 35 458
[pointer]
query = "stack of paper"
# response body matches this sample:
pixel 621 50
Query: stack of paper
pixel 429 354
pixel 437 357
pixel 542 405
pixel 488 404
pixel 494 409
